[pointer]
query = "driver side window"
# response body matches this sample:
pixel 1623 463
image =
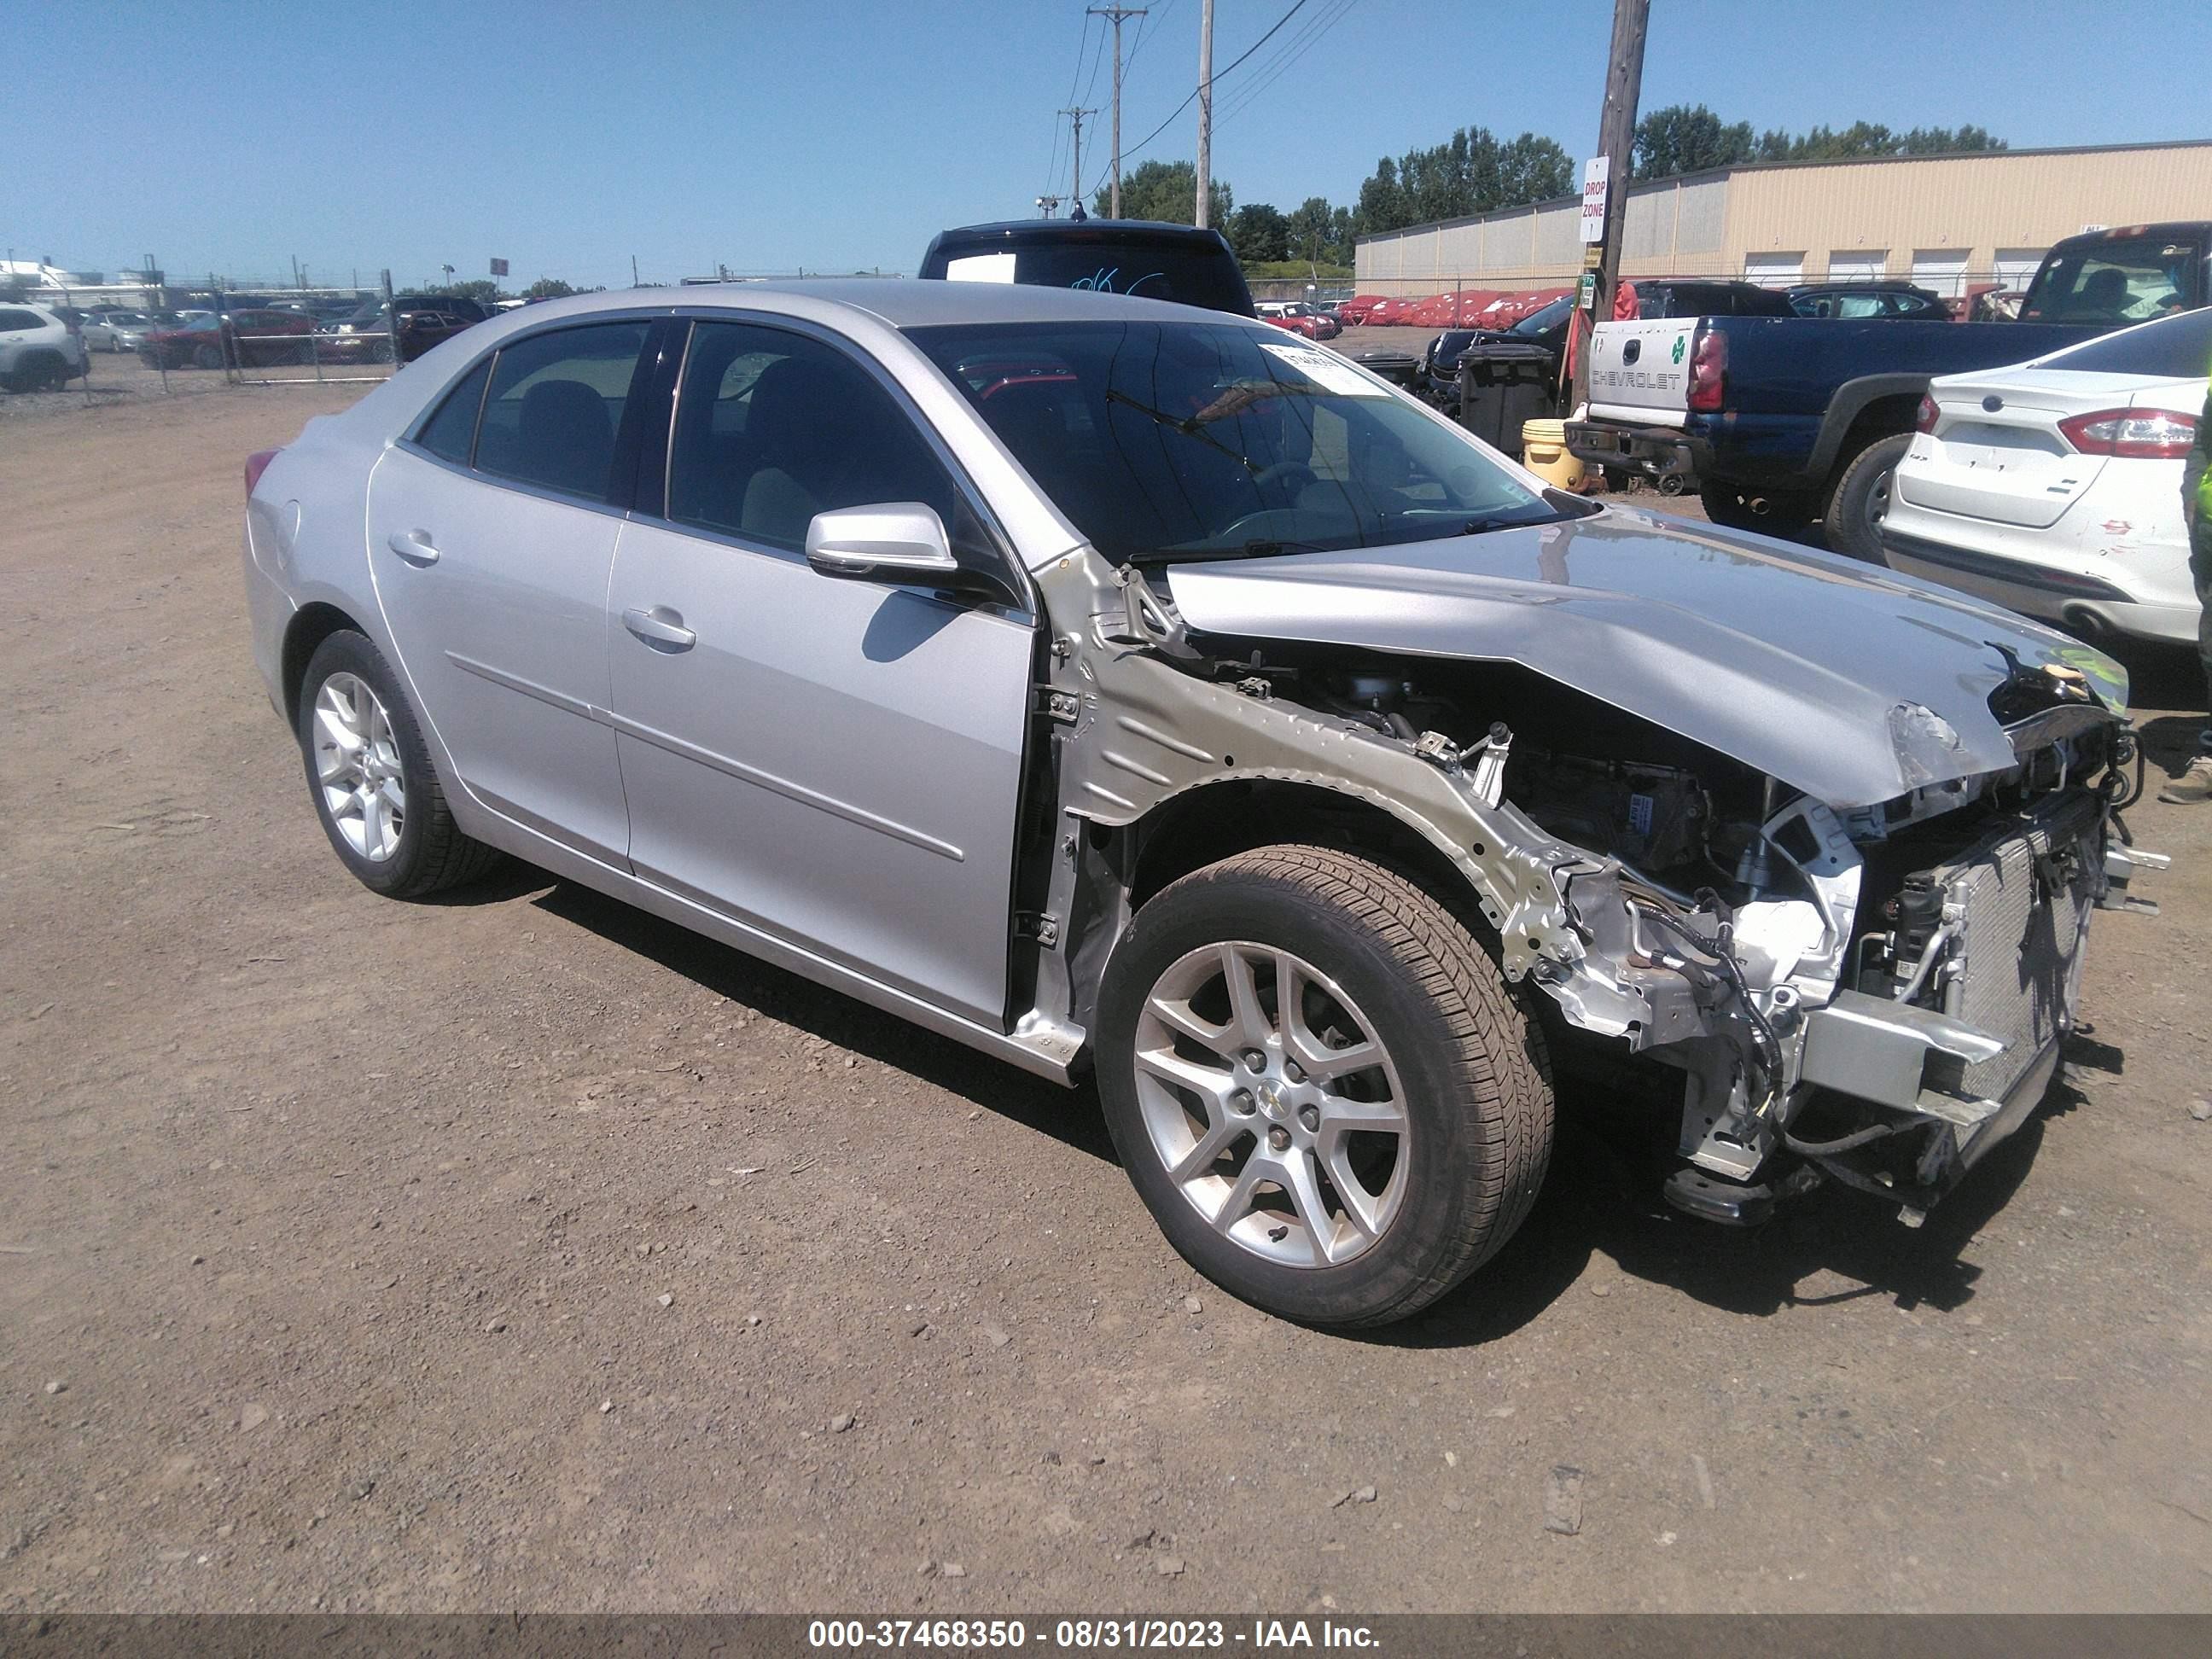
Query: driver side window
pixel 772 428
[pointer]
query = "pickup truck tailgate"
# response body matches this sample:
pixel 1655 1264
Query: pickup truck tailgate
pixel 1640 371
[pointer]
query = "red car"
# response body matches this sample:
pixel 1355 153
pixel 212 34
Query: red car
pixel 245 339
pixel 1301 319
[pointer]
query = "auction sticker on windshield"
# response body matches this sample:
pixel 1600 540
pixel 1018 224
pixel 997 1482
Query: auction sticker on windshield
pixel 1326 370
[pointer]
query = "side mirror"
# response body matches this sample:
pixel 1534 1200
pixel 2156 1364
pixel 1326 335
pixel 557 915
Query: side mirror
pixel 895 542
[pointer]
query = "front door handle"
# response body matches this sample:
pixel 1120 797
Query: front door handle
pixel 661 628
pixel 414 546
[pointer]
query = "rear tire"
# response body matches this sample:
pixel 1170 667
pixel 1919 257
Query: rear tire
pixel 361 741
pixel 1379 963
pixel 207 357
pixel 1861 498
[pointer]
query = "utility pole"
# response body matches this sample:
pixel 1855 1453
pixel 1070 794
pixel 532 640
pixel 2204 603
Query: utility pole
pixel 1205 113
pixel 1616 142
pixel 1076 116
pixel 1117 13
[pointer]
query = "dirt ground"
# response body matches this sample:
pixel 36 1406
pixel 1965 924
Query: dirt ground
pixel 521 1252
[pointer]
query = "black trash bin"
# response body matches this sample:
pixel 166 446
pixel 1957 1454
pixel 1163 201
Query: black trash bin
pixel 1502 383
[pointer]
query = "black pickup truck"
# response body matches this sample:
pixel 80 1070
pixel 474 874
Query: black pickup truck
pixel 1784 419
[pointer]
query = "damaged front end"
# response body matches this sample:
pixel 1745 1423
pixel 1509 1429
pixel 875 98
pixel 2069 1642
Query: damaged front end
pixel 1872 990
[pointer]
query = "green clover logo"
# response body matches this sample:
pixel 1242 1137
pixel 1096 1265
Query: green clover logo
pixel 1678 348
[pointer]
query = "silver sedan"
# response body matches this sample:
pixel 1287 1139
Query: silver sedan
pixel 1136 692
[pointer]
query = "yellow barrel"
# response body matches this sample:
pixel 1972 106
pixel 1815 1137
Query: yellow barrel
pixel 1544 453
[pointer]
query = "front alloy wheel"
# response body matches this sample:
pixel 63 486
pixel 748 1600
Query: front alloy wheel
pixel 1320 1084
pixel 1271 1103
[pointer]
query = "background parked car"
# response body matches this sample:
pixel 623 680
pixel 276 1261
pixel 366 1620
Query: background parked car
pixel 2054 486
pixel 1700 296
pixel 248 339
pixel 425 320
pixel 1300 319
pixel 105 330
pixel 1856 300
pixel 39 350
pixel 1152 260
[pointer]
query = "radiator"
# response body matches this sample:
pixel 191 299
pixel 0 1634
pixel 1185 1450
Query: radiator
pixel 2024 894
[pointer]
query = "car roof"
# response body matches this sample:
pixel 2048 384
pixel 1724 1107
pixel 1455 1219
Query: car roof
pixel 898 302
pixel 1069 230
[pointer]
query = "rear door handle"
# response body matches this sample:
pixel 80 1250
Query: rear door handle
pixel 661 628
pixel 414 546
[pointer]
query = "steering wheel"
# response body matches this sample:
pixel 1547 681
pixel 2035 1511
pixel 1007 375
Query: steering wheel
pixel 1289 476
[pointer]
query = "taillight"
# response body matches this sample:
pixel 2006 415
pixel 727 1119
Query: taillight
pixel 1709 371
pixel 2142 434
pixel 1928 413
pixel 256 464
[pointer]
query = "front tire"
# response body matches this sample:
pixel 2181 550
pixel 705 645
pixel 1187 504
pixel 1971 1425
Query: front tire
pixel 1343 1154
pixel 207 357
pixel 372 779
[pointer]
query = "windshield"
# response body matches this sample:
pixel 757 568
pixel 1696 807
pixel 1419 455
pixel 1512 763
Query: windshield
pixel 1189 272
pixel 1183 441
pixel 1540 322
pixel 2125 280
pixel 2179 346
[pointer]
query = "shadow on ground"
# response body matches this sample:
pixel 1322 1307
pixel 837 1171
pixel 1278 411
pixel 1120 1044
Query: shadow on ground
pixel 1601 1197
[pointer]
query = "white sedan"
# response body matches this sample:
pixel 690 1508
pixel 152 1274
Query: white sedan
pixel 2054 487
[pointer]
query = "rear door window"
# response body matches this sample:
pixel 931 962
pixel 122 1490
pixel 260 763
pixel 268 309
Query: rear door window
pixel 12 321
pixel 555 407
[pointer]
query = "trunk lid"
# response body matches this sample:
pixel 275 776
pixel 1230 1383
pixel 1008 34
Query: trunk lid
pixel 2010 463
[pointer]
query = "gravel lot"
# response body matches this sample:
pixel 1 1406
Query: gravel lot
pixel 525 1253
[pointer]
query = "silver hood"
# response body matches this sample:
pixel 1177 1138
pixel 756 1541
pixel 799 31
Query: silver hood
pixel 1852 683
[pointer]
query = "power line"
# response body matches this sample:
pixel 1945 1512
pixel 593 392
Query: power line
pixel 1269 73
pixel 1297 7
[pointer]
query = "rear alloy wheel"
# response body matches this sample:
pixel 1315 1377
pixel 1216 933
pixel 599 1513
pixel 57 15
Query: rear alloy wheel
pixel 1320 1086
pixel 375 789
pixel 1861 500
pixel 207 357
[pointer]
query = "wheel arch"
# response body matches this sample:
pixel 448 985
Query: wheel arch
pixel 311 624
pixel 1872 407
pixel 1225 817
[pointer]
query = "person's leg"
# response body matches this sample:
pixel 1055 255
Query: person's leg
pixel 2194 787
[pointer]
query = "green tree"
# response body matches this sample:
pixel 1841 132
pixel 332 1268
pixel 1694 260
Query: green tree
pixel 1682 138
pixel 1258 231
pixel 482 290
pixel 1311 230
pixel 547 287
pixel 1165 190
pixel 1471 172
pixel 1381 203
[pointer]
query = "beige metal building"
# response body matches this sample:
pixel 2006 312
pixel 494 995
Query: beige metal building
pixel 1948 222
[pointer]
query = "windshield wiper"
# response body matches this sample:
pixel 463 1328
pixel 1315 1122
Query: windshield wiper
pixel 1251 549
pixel 1190 428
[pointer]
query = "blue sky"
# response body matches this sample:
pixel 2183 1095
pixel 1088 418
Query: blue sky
pixel 840 134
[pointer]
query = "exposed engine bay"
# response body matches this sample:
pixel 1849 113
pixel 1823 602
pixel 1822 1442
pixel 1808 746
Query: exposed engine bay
pixel 1874 993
